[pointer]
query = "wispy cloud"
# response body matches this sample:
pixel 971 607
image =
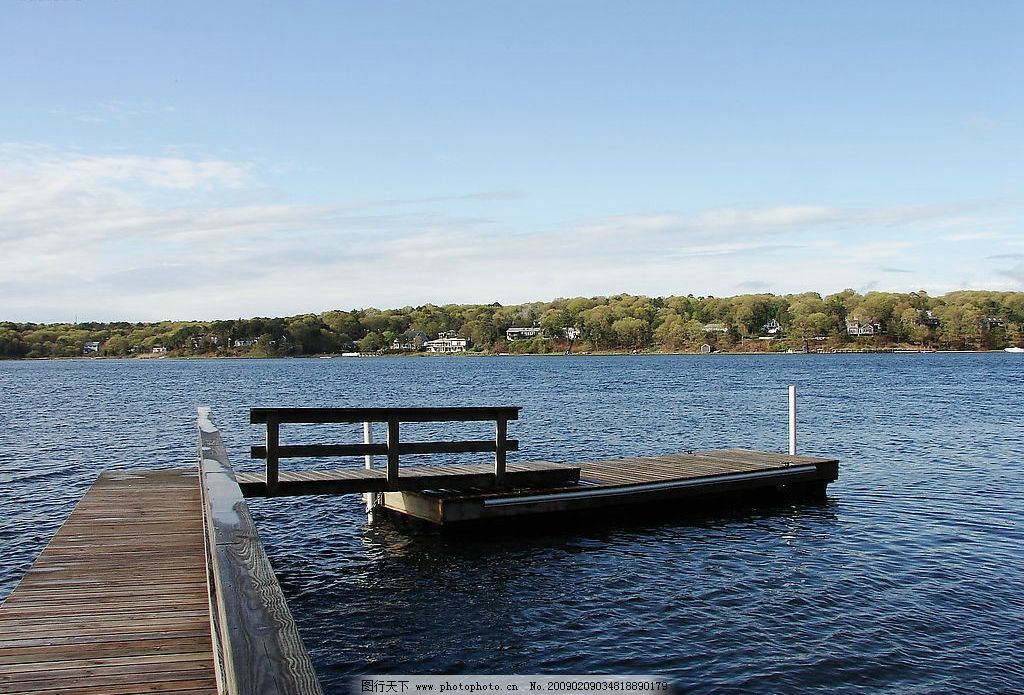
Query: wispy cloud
pixel 126 235
pixel 113 111
pixel 977 121
pixel 970 236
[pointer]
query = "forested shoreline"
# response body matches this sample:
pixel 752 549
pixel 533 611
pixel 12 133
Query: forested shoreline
pixel 964 320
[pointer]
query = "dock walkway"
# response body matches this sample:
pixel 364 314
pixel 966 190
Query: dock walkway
pixel 117 602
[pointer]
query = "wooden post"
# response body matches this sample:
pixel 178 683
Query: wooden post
pixel 792 420
pixel 369 497
pixel 392 449
pixel 500 437
pixel 273 439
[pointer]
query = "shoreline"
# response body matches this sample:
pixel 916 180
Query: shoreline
pixel 423 355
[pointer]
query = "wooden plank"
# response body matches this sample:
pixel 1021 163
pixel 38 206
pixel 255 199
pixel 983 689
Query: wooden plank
pixel 412 479
pixel 258 645
pixel 501 445
pixel 472 446
pixel 329 415
pixel 271 454
pixel 394 425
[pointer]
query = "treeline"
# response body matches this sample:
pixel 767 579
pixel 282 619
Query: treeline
pixel 958 320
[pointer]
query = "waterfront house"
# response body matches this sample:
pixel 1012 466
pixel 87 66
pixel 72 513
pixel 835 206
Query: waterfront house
pixel 522 333
pixel 409 341
pixel 159 350
pixel 930 320
pixel 773 327
pixel 706 349
pixel 715 328
pixel 91 348
pixel 856 327
pixel 571 333
pixel 200 341
pixel 245 342
pixel 448 341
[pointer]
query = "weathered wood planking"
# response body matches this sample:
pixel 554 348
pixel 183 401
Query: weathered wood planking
pixel 451 477
pixel 654 481
pixel 257 644
pixel 117 602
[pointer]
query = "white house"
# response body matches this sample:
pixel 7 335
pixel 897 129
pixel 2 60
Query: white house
pixel 773 327
pixel 522 333
pixel 715 328
pixel 159 350
pixel 447 343
pixel 91 348
pixel 245 342
pixel 855 327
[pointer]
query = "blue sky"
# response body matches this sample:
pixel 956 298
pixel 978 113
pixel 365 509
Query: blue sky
pixel 219 159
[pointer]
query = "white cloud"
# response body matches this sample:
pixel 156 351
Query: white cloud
pixel 148 237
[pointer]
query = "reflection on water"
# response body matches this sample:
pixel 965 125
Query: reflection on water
pixel 906 578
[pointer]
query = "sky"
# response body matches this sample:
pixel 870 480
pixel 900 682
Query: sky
pixel 202 160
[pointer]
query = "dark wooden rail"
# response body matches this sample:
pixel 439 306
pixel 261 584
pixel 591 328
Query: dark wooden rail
pixel 274 451
pixel 256 643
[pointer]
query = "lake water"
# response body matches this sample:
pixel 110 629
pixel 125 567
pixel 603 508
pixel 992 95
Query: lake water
pixel 908 579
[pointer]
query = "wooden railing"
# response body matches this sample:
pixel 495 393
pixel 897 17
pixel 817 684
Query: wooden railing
pixel 393 448
pixel 256 643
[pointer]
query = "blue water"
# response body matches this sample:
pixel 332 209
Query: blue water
pixel 908 579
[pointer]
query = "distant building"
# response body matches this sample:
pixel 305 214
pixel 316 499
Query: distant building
pixel 706 349
pixel 571 333
pixel 91 348
pixel 199 341
pixel 159 350
pixel 856 327
pixel 410 340
pixel 773 327
pixel 522 333
pixel 447 342
pixel 930 320
pixel 990 324
pixel 715 328
pixel 244 342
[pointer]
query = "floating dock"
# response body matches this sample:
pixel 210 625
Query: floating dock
pixel 158 582
pixel 674 483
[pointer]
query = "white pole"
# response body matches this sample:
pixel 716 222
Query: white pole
pixel 792 420
pixel 369 497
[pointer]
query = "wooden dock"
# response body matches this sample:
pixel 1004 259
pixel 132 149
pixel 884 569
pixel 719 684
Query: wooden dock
pixel 117 602
pixel 675 482
pixel 158 581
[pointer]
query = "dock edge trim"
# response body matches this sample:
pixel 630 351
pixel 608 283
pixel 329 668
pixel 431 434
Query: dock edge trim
pixel 647 487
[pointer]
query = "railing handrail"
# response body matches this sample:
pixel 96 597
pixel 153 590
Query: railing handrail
pixel 256 643
pixel 470 446
pixel 274 451
pixel 438 414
